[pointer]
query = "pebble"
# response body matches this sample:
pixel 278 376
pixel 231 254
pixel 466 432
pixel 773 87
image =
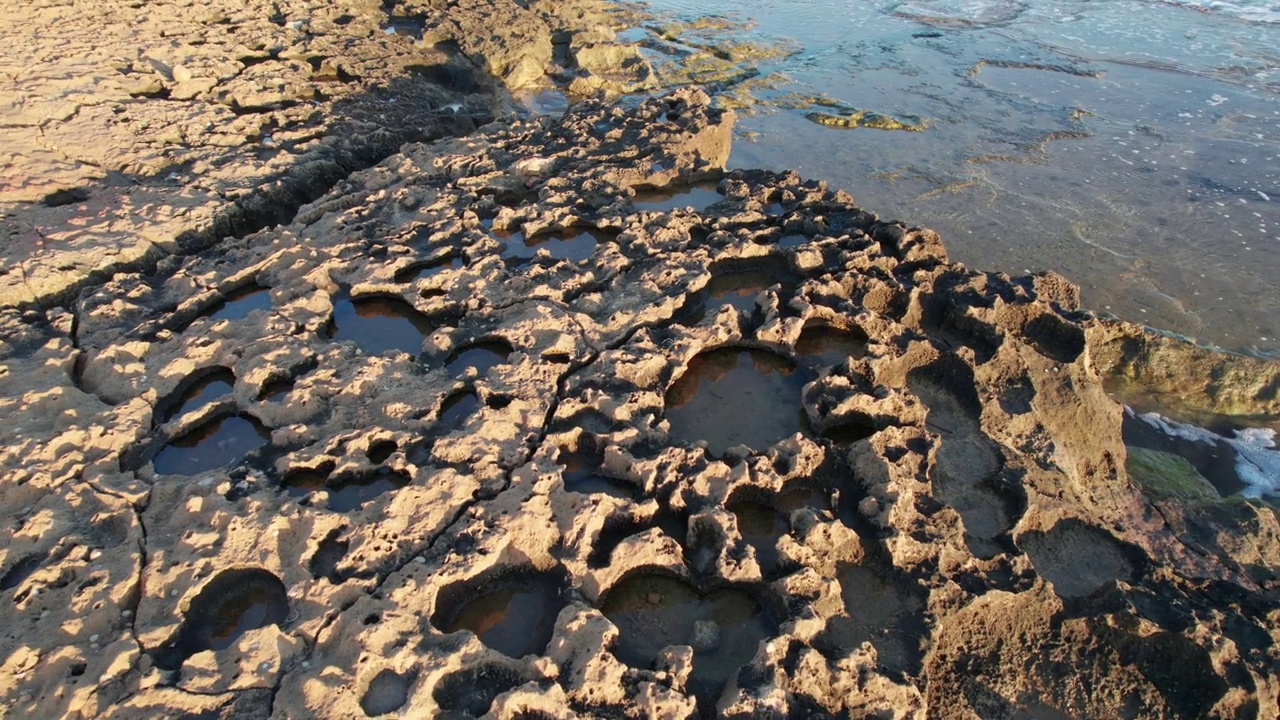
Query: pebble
pixel 706 636
pixel 94 638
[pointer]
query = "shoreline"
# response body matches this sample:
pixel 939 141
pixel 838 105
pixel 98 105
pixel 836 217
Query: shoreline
pixel 360 515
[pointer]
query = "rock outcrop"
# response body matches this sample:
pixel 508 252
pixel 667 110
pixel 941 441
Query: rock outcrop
pixel 560 419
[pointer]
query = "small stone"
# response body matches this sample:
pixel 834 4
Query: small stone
pixel 126 613
pixel 653 598
pixel 94 638
pixel 705 636
pixel 94 646
pixel 420 560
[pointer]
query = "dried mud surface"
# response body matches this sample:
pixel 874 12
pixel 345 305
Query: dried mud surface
pixel 488 507
pixel 480 433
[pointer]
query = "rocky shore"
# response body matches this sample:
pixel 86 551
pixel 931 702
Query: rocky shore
pixel 373 398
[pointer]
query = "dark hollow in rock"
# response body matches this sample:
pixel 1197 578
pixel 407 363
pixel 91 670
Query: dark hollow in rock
pixel 698 197
pixel 458 407
pixel 240 302
pixel 422 271
pixel 967 464
pixel 379 451
pixel 827 345
pixel 574 244
pixel 724 627
pixel 469 693
pixel 483 356
pixel 619 528
pixel 324 563
pixel 379 324
pixel 580 476
pixel 761 525
pixel 20 571
pixel 347 494
pixel 217 443
pixel 734 396
pixel 881 611
pixel 388 691
pixel 1055 338
pixel 66 196
pixel 1076 557
pixel 276 389
pixel 847 433
pixel 231 604
pixel 205 388
pixel 736 283
pixel 513 613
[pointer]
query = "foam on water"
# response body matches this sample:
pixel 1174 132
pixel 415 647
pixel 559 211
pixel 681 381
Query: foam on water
pixel 1257 457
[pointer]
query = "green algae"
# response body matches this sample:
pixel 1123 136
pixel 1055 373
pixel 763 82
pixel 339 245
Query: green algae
pixel 1163 475
pixel 866 119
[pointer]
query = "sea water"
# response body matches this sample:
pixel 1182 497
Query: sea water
pixel 1133 145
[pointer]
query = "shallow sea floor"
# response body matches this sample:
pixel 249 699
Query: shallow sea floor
pixel 1133 146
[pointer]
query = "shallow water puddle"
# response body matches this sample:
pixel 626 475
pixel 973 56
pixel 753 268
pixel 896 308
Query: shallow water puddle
pixel 830 345
pixel 735 396
pixel 420 271
pixel 483 356
pixel 574 245
pixel 545 102
pixel 738 290
pixel 217 443
pixel 204 391
pixel 580 476
pixel 787 242
pixel 458 407
pixel 239 303
pixel 515 618
pixel 233 603
pixel 379 324
pixel 724 627
pixel 404 26
pixel 698 197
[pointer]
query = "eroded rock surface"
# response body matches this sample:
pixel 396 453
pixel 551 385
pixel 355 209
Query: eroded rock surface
pixel 500 513
pixel 134 130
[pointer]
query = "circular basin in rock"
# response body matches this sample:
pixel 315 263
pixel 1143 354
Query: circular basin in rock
pixel 217 443
pixel 231 604
pixel 514 614
pixel 379 324
pixel 735 396
pixel 238 304
pixel 573 245
pixel 724 627
pixel 483 356
pixel 216 383
pixel 698 197
pixel 387 692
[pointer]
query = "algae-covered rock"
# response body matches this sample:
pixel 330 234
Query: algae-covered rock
pixel 1164 475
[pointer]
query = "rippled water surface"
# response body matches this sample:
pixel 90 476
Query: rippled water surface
pixel 1132 145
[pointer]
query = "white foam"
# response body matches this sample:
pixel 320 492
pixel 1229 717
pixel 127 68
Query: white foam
pixel 1257 459
pixel 1260 11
